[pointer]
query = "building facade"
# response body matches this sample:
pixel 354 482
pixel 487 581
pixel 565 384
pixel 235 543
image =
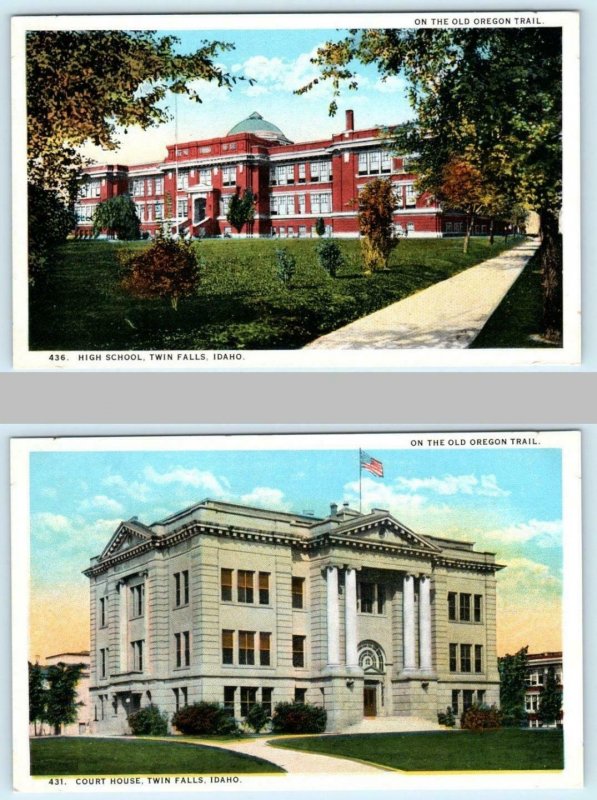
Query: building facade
pixel 538 666
pixel 294 184
pixel 238 605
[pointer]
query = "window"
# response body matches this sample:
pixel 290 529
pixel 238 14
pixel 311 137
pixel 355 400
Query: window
pixel 227 647
pixel 321 203
pixel 374 162
pixel 159 185
pixel 180 697
pixel 467 699
pixel 321 171
pixel 181 588
pixel 302 231
pixel 452 605
pixel 205 149
pixel 410 227
pixel 411 195
pixel 149 186
pixel 205 176
pixel 183 208
pixel 264 649
pixel 282 204
pixel 302 206
pixel 138 186
pixel 298 651
pixel 300 695
pixel 264 588
pixel 477 608
pixel 183 179
pixel 367 598
pixel 137 650
pixel 226 584
pixel 266 700
pixel 381 597
pixel 386 161
pixel 103 662
pixel 246 647
pixel 244 586
pixel 248 698
pixel 531 702
pixel 481 697
pixel 465 658
pixel 290 231
pixel 455 700
pixel 229 176
pixel 137 600
pixel 453 658
pixel 448 227
pixel 159 210
pixel 465 608
pixel 183 648
pixel 298 592
pixel 301 173
pixel 224 203
pixel 103 620
pixel 478 658
pixel 229 693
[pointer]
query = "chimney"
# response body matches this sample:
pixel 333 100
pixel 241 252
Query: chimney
pixel 333 509
pixel 349 119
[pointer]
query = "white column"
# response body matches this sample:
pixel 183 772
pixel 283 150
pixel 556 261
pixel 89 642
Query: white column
pixel 333 617
pixel 122 626
pixel 410 662
pixel 350 616
pixel 425 623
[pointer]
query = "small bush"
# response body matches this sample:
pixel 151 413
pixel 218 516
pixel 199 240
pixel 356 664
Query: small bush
pixel 481 718
pixel 446 718
pixel 285 265
pixel 299 718
pixel 330 256
pixel 257 717
pixel 204 719
pixel 320 226
pixel 149 721
pixel 167 269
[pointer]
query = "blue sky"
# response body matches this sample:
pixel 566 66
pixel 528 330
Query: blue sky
pixel 278 62
pixel 507 501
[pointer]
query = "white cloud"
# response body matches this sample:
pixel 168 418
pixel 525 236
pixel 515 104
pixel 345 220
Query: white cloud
pixel 525 578
pixel 484 486
pixel 198 479
pixel 376 494
pixel 391 85
pixel 266 497
pixel 101 503
pixel 49 491
pixel 135 489
pixel 279 74
pixel 56 523
pixel 544 533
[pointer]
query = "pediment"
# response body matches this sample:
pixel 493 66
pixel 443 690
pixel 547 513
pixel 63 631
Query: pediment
pixel 127 536
pixel 386 529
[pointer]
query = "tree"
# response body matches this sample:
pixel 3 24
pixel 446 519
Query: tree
pixel 490 95
pixel 513 675
pixel 62 702
pixel 376 202
pixel 82 86
pixel 50 222
pixel 550 699
pixel 167 269
pixel 320 226
pixel 38 695
pixel 118 216
pixel 241 210
pixel 462 188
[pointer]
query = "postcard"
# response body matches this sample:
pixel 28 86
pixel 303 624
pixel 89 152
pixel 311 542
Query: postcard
pixel 296 612
pixel 296 191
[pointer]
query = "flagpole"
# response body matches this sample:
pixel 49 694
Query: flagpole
pixel 360 484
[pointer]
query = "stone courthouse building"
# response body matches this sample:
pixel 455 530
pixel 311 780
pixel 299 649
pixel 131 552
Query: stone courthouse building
pixel 354 612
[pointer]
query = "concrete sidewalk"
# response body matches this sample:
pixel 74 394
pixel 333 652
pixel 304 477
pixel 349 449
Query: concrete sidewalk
pixel 449 314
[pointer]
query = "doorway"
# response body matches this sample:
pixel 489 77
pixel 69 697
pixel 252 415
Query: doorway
pixel 199 209
pixel 370 700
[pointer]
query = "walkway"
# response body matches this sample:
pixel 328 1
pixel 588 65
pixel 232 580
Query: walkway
pixel 449 314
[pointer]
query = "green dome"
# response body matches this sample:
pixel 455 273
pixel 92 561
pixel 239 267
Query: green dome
pixel 259 127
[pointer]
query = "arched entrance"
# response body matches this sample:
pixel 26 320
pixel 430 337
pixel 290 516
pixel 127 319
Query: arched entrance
pixel 373 663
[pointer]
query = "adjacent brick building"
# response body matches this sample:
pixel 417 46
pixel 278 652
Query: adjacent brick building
pixel 295 184
pixel 233 604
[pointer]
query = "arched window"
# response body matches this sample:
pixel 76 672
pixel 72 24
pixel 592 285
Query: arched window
pixel 371 657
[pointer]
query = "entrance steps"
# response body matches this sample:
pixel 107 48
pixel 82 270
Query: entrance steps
pixel 394 725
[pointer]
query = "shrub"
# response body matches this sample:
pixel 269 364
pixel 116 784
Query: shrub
pixel 376 206
pixel 149 721
pixel 446 718
pixel 299 718
pixel 320 226
pixel 480 718
pixel 167 269
pixel 257 717
pixel 285 265
pixel 330 256
pixel 204 719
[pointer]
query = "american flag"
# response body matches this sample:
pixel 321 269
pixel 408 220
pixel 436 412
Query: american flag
pixel 372 465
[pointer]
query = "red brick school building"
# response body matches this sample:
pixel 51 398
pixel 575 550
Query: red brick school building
pixel 294 184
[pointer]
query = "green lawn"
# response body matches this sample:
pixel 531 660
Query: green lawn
pixel 452 751
pixel 517 321
pixel 73 756
pixel 240 303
